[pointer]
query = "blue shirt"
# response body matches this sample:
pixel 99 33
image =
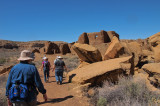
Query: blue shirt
pixel 26 74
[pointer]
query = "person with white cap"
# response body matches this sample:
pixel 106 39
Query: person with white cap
pixel 59 67
pixel 23 81
pixel 46 68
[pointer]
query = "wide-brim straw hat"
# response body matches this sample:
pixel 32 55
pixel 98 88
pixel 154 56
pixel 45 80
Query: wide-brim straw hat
pixel 59 57
pixel 25 55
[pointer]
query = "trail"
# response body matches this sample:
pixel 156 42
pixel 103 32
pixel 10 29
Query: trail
pixel 60 95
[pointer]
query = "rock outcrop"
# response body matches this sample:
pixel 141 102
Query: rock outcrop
pixel 96 73
pixel 154 41
pixel 133 48
pixel 114 50
pixel 153 72
pixel 87 53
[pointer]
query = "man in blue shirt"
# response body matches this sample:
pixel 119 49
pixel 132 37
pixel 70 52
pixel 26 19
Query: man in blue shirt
pixel 25 73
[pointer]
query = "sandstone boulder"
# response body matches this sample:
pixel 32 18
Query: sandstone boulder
pixel 71 49
pixel 87 53
pixel 82 64
pixel 133 48
pixel 156 51
pixel 96 73
pixel 154 40
pixel 154 72
pixel 111 34
pixel 114 50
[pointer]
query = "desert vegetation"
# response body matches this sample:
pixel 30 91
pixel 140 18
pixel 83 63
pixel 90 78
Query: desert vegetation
pixel 3 99
pixel 127 92
pixel 71 62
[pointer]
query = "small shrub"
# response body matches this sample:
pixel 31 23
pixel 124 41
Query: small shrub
pixel 3 99
pixel 2 60
pixel 127 92
pixel 102 102
pixel 71 62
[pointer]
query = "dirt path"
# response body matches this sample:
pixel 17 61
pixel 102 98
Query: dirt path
pixel 61 95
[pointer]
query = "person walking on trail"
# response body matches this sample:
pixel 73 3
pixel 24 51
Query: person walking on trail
pixel 59 67
pixel 23 82
pixel 46 68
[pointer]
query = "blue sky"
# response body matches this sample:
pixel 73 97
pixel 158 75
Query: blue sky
pixel 65 20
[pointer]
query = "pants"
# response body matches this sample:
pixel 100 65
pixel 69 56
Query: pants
pixel 59 75
pixel 33 103
pixel 46 74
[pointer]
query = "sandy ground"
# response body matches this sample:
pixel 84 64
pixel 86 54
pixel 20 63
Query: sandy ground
pixel 61 95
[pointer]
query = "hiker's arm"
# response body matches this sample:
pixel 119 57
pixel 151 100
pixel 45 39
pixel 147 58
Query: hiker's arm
pixel 39 85
pixel 8 85
pixel 42 67
pixel 65 68
pixel 49 66
pixel 53 68
pixel 38 82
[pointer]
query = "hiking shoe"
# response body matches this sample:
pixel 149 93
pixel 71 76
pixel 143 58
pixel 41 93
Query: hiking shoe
pixel 57 82
pixel 47 80
pixel 60 83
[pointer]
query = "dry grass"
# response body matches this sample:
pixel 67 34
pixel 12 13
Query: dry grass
pixel 126 93
pixel 71 61
pixel 3 99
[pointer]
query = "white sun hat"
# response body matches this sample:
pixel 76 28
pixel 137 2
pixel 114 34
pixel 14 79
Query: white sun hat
pixel 44 58
pixel 59 57
pixel 25 55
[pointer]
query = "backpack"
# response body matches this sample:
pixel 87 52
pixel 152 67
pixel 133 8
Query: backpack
pixel 19 92
pixel 46 65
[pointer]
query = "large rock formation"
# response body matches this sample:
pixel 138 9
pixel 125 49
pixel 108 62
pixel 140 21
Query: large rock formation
pixel 96 73
pixel 153 72
pixel 87 53
pixel 114 50
pixel 154 41
pixel 133 48
pixel 97 37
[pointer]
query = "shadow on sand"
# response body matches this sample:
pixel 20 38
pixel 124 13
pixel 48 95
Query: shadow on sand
pixel 56 100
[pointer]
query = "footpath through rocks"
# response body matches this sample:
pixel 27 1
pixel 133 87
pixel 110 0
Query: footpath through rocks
pixel 60 95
